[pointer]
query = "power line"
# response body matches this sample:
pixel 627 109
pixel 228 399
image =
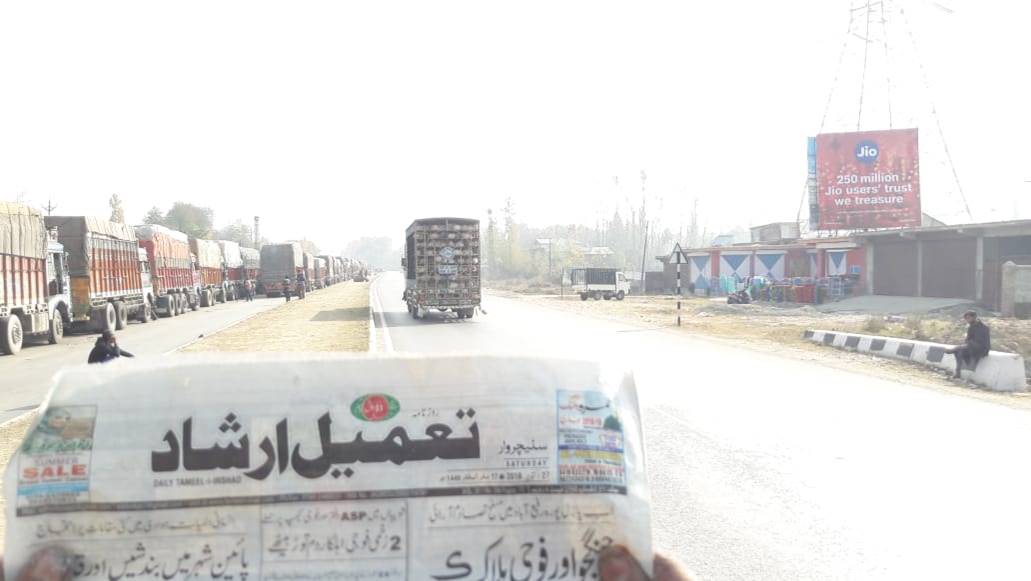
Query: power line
pixel 934 112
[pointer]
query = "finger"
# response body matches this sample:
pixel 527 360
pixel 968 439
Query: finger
pixel 617 564
pixel 49 564
pixel 669 569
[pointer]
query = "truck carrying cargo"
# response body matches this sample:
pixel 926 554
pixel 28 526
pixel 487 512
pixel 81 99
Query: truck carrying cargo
pixel 442 266
pixel 309 271
pixel 106 272
pixel 34 283
pixel 251 266
pixel 279 262
pixel 174 278
pixel 330 277
pixel 598 283
pixel 211 268
pixel 235 276
pixel 320 270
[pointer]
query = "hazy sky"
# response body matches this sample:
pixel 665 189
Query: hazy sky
pixel 341 119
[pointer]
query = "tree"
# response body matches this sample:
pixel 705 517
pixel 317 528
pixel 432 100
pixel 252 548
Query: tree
pixel 239 232
pixel 154 216
pixel 377 252
pixel 307 245
pixel 117 212
pixel 195 221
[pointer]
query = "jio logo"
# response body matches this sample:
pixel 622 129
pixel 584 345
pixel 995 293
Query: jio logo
pixel 866 152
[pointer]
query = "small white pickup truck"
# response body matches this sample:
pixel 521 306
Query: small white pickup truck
pixel 599 283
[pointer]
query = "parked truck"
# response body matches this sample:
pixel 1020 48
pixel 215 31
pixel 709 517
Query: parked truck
pixel 442 266
pixel 34 300
pixel 309 271
pixel 211 269
pixel 107 272
pixel 330 278
pixel 598 283
pixel 173 275
pixel 232 259
pixel 278 262
pixel 252 267
pixel 320 272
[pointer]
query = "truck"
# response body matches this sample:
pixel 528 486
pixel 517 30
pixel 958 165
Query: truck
pixel 172 269
pixel 211 270
pixel 331 269
pixel 320 271
pixel 252 267
pixel 107 271
pixel 235 277
pixel 599 283
pixel 442 266
pixel 279 261
pixel 309 271
pixel 34 300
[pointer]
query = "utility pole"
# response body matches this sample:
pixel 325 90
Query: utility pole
pixel 644 222
pixel 50 207
pixel 257 234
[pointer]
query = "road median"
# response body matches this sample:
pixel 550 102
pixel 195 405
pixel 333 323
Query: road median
pixel 332 319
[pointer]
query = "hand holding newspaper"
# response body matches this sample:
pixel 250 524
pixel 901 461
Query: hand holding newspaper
pixel 348 468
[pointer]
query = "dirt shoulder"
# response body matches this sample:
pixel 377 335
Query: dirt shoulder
pixel 778 329
pixel 332 319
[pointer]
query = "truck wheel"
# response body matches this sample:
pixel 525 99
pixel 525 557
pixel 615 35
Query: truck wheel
pixel 105 318
pixel 11 336
pixel 191 305
pixel 205 299
pixel 171 309
pixel 220 296
pixel 583 296
pixel 123 315
pixel 181 304
pixel 620 295
pixel 145 311
pixel 56 328
pixel 607 296
pixel 469 313
pixel 597 296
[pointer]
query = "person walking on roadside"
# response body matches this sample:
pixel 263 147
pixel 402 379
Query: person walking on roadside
pixel 302 287
pixel 287 283
pixel 106 348
pixel 248 290
pixel 977 345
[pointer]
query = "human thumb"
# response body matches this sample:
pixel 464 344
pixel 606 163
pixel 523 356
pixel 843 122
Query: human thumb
pixel 617 564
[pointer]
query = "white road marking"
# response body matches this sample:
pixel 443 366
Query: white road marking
pixel 377 310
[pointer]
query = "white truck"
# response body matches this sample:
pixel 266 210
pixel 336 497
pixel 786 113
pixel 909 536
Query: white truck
pixel 599 283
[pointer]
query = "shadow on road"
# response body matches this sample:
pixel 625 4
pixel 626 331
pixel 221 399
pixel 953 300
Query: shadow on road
pixel 348 314
pixel 402 319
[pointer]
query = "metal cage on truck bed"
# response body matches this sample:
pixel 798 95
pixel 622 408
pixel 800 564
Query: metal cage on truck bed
pixel 442 263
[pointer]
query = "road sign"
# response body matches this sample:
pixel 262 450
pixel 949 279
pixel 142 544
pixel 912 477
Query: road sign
pixel 677 256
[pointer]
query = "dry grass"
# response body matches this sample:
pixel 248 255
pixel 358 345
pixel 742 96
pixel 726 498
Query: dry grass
pixel 332 319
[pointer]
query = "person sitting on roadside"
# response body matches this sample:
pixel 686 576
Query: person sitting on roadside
pixel 106 348
pixel 977 345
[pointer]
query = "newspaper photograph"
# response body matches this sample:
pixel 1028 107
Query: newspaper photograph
pixel 349 468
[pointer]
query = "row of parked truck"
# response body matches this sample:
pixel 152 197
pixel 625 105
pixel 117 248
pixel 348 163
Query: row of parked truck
pixel 91 274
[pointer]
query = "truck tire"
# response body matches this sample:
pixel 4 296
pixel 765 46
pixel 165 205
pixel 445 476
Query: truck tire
pixel 220 295
pixel 11 336
pixel 620 295
pixel 205 299
pixel 145 313
pixel 104 318
pixel 56 332
pixel 607 296
pixel 180 304
pixel 123 315
pixel 191 305
pixel 583 296
pixel 596 296
pixel 170 305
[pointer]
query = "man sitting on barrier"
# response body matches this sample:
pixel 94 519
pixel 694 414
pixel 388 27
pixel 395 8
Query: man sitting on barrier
pixel 977 345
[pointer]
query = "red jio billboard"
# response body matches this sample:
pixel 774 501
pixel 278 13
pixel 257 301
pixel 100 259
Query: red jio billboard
pixel 868 179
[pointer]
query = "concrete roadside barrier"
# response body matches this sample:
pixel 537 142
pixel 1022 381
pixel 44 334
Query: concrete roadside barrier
pixel 998 371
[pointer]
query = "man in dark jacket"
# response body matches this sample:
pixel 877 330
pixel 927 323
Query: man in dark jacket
pixel 977 345
pixel 106 348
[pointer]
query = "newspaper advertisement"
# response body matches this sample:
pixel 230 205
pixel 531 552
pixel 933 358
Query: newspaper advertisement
pixel 332 468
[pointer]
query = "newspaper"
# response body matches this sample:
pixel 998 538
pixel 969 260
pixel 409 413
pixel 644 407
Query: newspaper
pixel 349 468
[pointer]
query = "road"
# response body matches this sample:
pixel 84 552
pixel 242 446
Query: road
pixel 25 378
pixel 766 467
